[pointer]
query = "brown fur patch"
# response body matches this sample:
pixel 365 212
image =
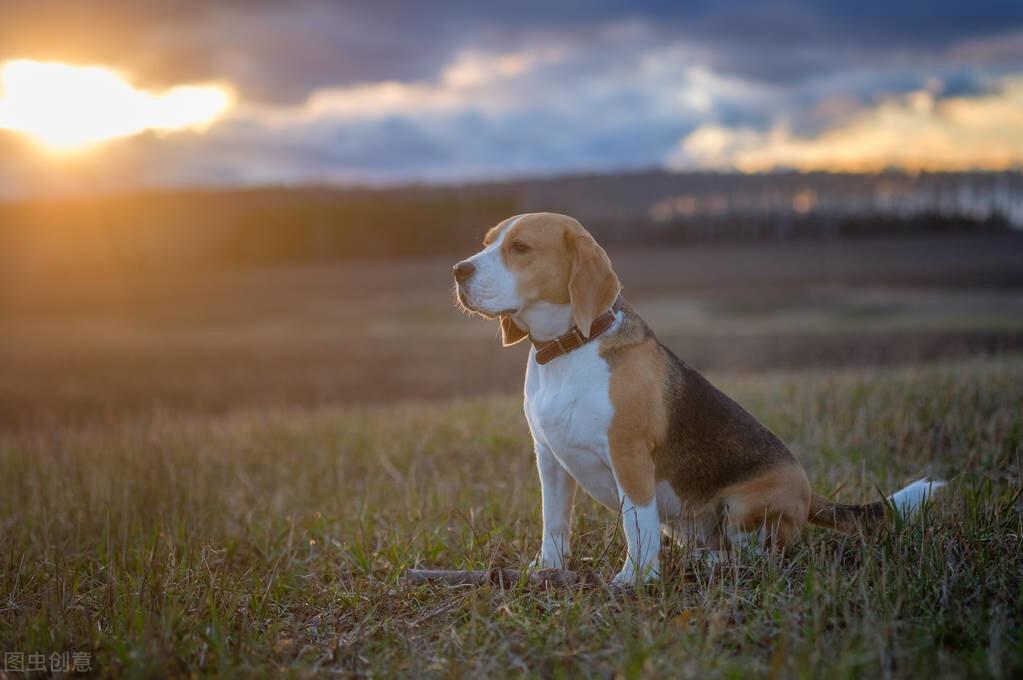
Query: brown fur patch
pixel 842 517
pixel 543 272
pixel 592 285
pixel 496 230
pixel 777 499
pixel 639 424
pixel 510 332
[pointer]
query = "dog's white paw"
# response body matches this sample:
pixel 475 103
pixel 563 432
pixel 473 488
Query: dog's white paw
pixel 630 577
pixel 542 561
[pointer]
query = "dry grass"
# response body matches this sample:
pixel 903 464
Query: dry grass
pixel 272 541
pixel 77 348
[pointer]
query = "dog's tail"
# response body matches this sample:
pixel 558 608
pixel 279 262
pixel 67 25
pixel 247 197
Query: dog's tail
pixel 848 518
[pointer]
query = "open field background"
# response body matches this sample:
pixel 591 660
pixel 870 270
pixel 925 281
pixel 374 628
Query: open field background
pixel 271 541
pixel 75 346
pixel 238 400
pixel 225 472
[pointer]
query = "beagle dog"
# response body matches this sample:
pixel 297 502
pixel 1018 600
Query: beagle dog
pixel 611 409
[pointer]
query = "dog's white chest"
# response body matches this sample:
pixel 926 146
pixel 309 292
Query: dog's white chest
pixel 569 410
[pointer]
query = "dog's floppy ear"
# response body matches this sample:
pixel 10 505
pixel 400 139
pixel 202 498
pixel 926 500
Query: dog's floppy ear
pixel 593 286
pixel 510 332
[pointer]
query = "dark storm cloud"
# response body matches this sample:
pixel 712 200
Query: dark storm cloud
pixel 627 82
pixel 283 50
pixel 269 51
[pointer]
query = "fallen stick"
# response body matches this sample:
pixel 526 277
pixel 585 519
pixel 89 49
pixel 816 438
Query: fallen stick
pixel 505 578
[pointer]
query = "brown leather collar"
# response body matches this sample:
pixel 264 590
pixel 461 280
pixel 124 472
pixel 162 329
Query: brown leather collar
pixel 573 339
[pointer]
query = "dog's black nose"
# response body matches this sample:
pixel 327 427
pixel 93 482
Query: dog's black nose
pixel 463 270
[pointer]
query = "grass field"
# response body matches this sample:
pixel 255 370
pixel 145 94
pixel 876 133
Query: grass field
pixel 272 540
pixel 81 347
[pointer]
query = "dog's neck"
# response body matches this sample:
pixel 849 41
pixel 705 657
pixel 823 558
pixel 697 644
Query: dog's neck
pixel 544 321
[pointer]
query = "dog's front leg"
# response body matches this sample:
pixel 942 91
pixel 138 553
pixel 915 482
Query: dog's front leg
pixel 643 539
pixel 634 474
pixel 557 488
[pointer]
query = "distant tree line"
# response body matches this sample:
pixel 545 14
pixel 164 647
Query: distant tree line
pixel 276 225
pixel 245 227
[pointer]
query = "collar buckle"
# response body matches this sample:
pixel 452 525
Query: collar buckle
pixel 571 340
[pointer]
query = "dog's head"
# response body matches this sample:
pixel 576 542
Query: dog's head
pixel 533 258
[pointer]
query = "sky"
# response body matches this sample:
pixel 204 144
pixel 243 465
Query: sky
pixel 309 91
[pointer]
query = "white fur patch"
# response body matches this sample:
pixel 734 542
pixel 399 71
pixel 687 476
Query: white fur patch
pixel 643 538
pixel 569 410
pixel 493 288
pixel 556 487
pixel 909 499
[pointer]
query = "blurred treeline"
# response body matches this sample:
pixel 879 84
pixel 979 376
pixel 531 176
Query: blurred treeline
pixel 178 228
pixel 261 226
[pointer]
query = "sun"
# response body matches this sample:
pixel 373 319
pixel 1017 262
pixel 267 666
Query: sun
pixel 68 108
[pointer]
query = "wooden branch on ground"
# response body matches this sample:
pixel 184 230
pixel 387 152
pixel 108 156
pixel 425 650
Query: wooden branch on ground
pixel 505 578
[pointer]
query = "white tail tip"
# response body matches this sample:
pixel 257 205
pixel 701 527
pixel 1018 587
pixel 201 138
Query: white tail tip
pixel 909 499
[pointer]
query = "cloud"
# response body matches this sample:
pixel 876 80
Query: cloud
pixel 281 52
pixel 539 109
pixel 389 91
pixel 916 131
pixel 271 51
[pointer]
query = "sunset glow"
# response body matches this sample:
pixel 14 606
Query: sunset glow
pixel 68 108
pixel 915 132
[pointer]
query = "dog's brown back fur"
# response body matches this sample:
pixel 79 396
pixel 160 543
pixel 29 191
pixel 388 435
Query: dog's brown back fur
pixel 717 457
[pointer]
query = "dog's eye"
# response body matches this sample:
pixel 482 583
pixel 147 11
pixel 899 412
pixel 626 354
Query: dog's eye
pixel 520 247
